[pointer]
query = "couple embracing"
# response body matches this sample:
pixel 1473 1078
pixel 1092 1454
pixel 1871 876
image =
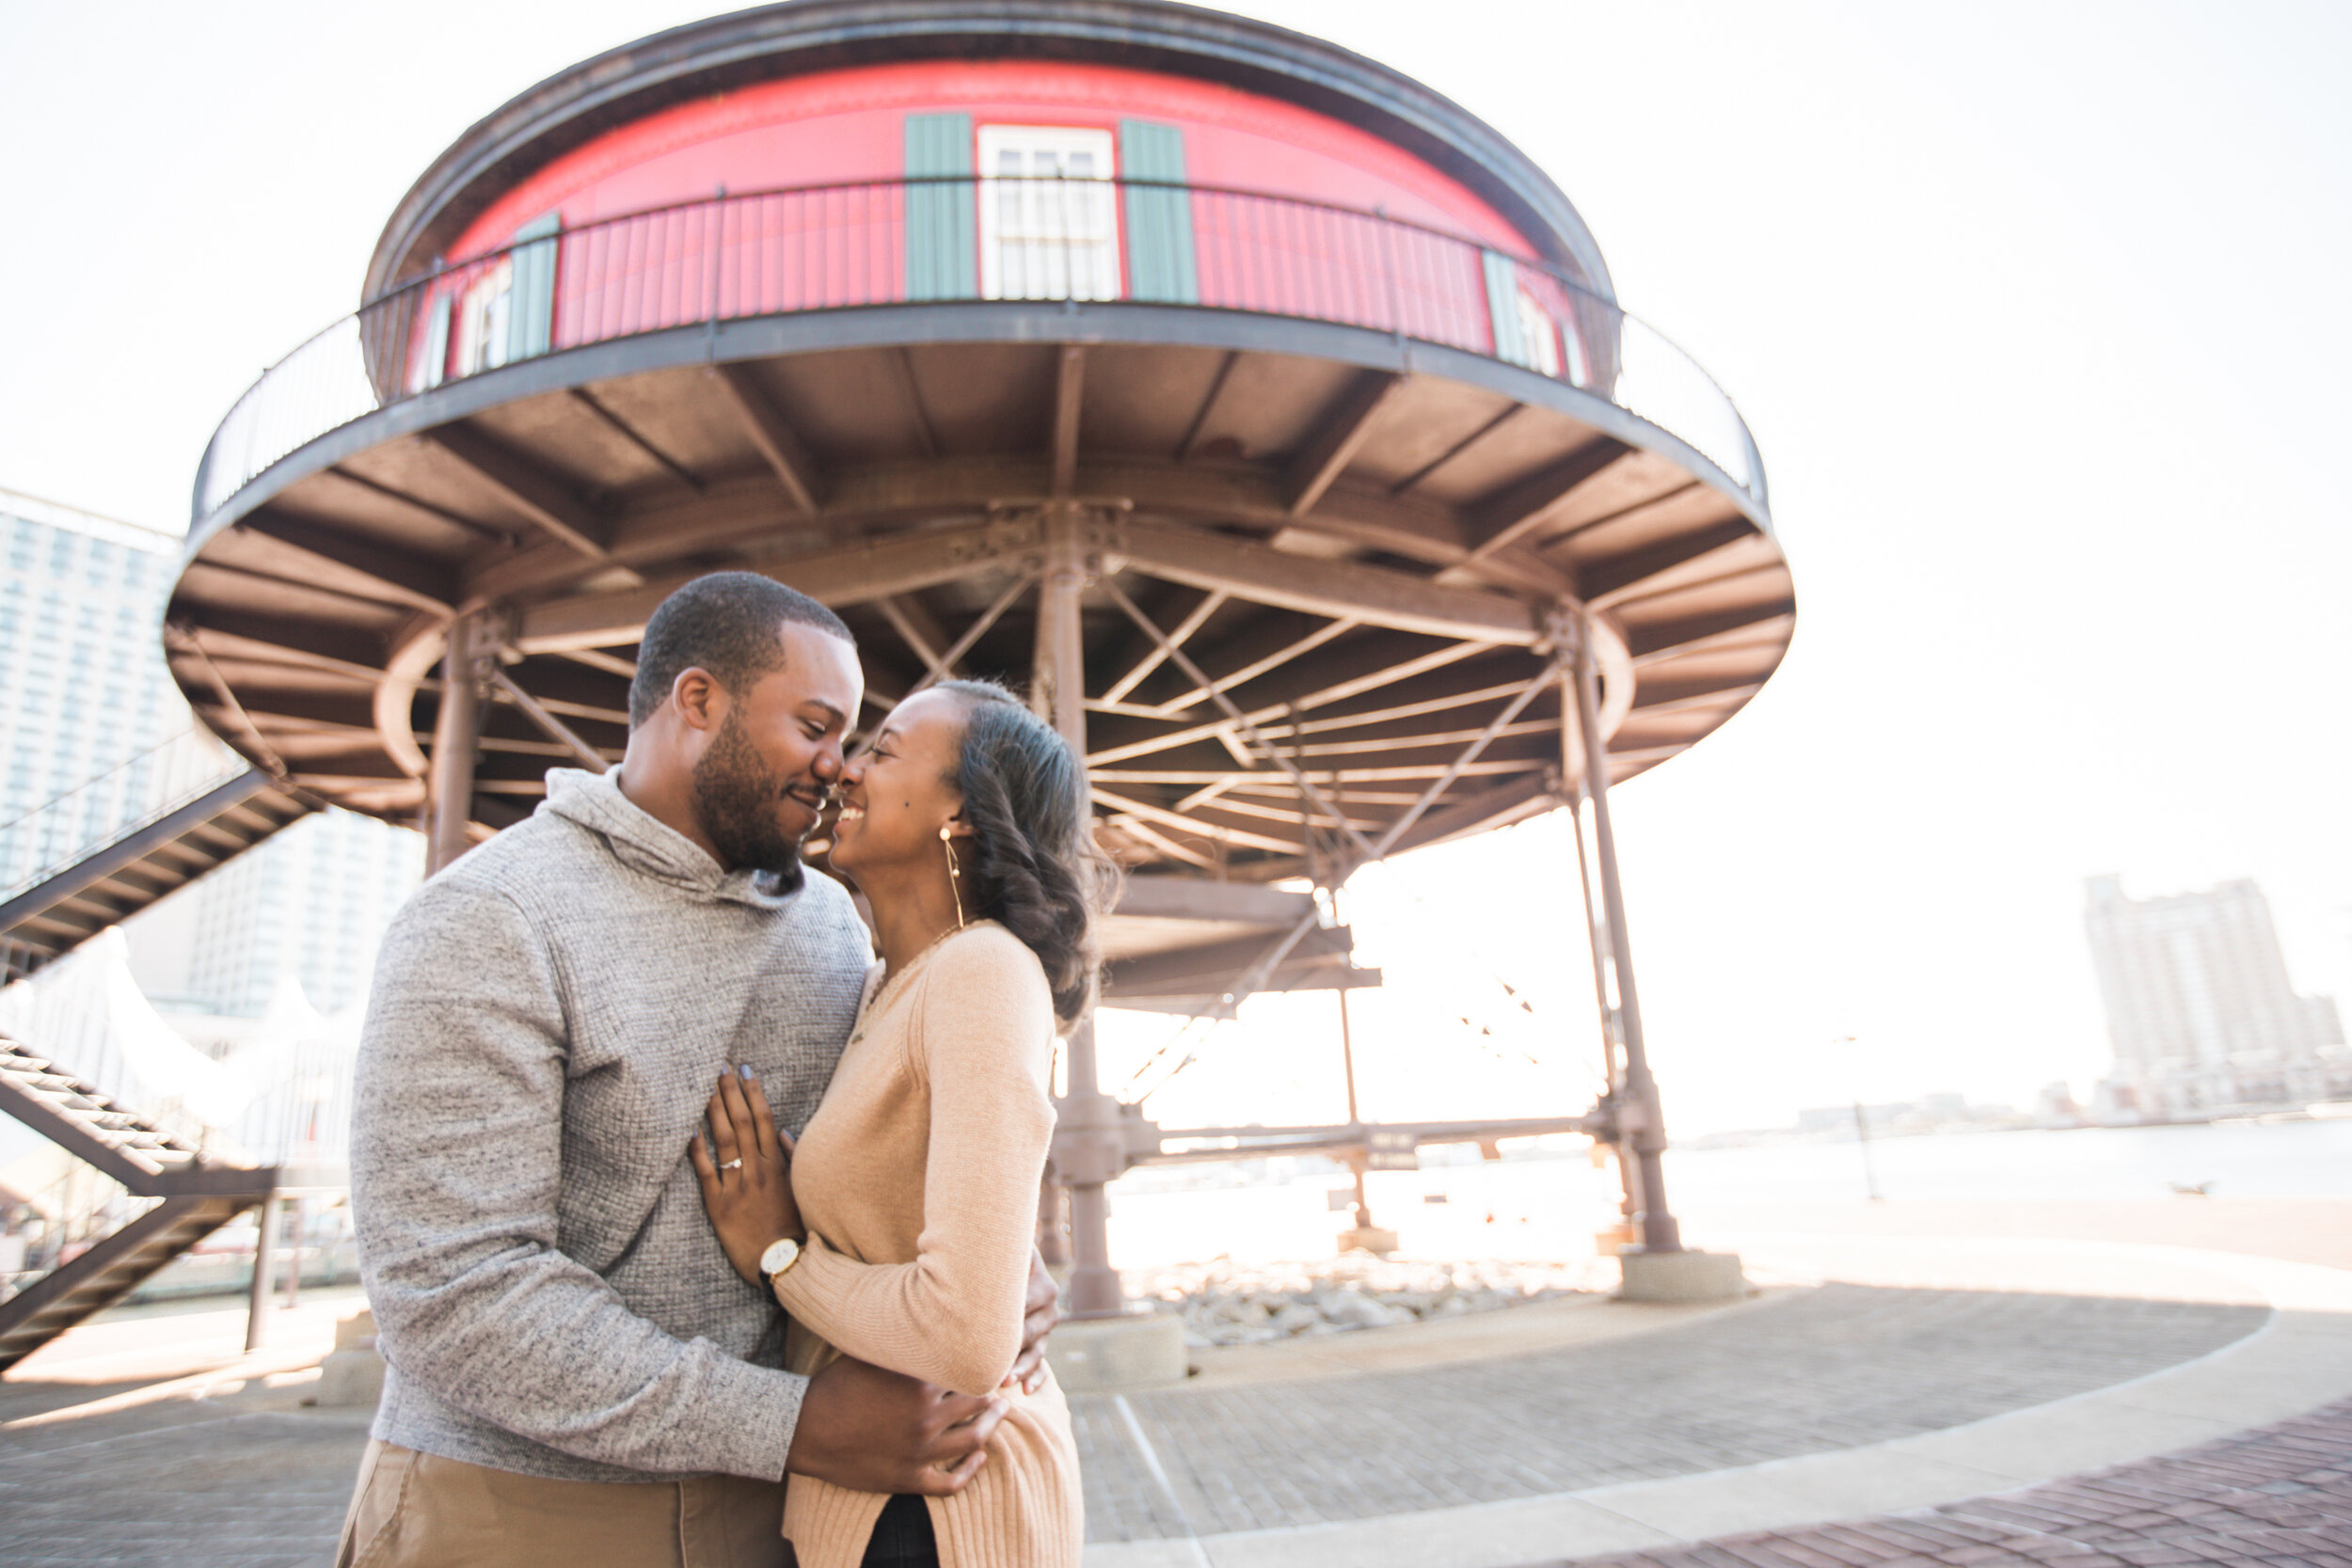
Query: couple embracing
pixel 690 1228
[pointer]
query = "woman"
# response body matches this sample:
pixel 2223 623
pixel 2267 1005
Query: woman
pixel 913 1191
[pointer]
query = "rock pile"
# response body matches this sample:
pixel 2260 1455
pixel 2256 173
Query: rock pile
pixel 1224 1303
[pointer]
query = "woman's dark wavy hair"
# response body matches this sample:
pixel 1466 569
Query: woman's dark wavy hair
pixel 1032 864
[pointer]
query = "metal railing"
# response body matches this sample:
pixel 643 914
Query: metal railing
pixel 62 832
pixel 841 246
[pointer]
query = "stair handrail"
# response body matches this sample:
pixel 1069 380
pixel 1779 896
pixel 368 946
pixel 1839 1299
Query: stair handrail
pixel 200 763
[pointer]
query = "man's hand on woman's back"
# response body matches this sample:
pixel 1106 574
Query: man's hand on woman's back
pixel 1040 1312
pixel 875 1431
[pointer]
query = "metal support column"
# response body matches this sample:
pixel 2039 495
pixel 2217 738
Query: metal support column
pixel 1643 1125
pixel 1091 1150
pixel 456 733
pixel 1596 939
pixel 1052 1224
pixel 264 1250
pixel 1355 1117
pixel 300 1218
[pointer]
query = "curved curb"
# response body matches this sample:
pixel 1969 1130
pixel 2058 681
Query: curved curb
pixel 2300 1358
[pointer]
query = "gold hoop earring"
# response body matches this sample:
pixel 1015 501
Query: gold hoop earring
pixel 955 875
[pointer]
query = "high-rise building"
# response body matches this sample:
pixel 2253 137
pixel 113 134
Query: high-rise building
pixel 312 904
pixel 2200 1006
pixel 87 709
pixel 94 737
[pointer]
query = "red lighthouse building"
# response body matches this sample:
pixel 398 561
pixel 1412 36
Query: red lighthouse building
pixel 1267 413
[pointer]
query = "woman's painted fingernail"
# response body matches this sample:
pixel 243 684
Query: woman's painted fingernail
pixel 745 1072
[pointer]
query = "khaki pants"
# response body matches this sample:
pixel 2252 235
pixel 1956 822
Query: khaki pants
pixel 416 1510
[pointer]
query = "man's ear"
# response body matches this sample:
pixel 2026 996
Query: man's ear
pixel 699 698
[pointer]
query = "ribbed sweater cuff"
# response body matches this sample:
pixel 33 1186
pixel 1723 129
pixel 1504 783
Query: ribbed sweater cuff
pixel 753 1411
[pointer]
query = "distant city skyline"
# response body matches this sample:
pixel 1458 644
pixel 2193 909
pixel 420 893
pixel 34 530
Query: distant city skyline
pixel 2200 1004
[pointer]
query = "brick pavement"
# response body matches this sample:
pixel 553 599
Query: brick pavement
pixel 1832 1368
pixel 259 1483
pixel 253 1478
pixel 2282 1495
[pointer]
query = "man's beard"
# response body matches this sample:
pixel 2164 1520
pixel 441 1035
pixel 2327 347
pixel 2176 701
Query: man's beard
pixel 735 800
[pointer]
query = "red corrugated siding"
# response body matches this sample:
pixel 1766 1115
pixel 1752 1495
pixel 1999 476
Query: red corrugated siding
pixel 847 125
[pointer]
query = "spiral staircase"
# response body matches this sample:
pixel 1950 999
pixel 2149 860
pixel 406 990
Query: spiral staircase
pixel 44 918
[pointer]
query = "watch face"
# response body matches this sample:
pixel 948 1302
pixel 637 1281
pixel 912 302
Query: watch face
pixel 779 1256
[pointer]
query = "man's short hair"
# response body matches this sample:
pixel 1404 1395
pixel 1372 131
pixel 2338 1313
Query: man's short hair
pixel 726 623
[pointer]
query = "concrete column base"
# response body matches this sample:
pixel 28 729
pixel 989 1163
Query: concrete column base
pixel 1368 1238
pixel 353 1376
pixel 1681 1276
pixel 1112 1355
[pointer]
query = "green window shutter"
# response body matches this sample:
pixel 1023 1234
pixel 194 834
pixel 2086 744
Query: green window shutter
pixel 1160 262
pixel 942 251
pixel 1502 308
pixel 531 305
pixel 433 360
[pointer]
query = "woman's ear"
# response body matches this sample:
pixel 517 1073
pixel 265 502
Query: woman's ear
pixel 957 827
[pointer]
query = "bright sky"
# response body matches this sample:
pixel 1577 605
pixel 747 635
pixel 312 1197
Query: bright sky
pixel 2038 316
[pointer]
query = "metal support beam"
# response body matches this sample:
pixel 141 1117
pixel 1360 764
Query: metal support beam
pixel 599 411
pixel 1605 583
pixel 1089 1146
pixel 919 631
pixel 265 1251
pixel 1341 437
pixel 1369 851
pixel 1240 720
pixel 854 574
pixel 1068 402
pixel 1210 604
pixel 978 630
pixel 1516 511
pixel 525 486
pixel 556 729
pixel 1375 594
pixel 1355 1117
pixel 1297 648
pixel 1371 676
pixel 300 1215
pixel 1596 941
pixel 1642 1124
pixel 449 791
pixel 297 553
pixel 781 448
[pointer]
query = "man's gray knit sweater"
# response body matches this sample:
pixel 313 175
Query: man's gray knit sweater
pixel 549 1016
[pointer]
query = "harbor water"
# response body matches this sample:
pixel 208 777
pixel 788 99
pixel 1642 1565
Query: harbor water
pixel 1548 1203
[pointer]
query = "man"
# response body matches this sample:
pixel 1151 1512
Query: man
pixel 576 1372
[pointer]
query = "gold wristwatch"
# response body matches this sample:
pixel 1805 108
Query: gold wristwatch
pixel 780 1256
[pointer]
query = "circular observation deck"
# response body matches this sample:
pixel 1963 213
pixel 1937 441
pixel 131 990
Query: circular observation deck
pixel 1338 482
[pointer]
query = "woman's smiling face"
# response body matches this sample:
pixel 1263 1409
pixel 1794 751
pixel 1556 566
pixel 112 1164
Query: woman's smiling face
pixel 899 790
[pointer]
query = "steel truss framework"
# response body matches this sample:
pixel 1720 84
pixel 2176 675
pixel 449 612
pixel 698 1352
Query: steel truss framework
pixel 1303 600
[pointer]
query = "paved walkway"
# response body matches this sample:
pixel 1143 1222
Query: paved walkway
pixel 1935 1390
pixel 150 1437
pixel 2282 1495
pixel 1800 1372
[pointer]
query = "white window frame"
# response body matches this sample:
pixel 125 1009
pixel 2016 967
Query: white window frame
pixel 1539 336
pixel 483 312
pixel 1048 239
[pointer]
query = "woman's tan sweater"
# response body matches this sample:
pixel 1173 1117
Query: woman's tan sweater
pixel 917 1179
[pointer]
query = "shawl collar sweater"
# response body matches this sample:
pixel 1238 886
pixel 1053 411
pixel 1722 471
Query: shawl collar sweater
pixel 549 1016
